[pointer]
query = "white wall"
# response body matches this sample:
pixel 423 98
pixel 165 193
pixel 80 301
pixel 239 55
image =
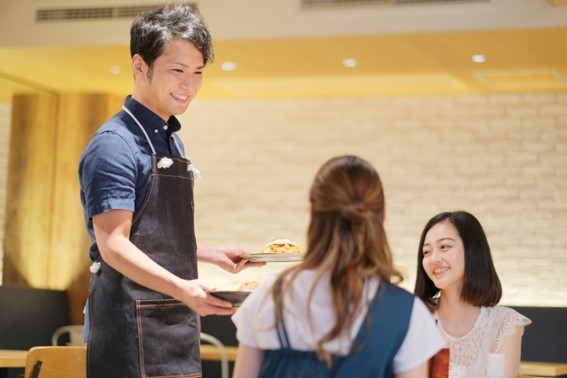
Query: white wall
pixel 252 19
pixel 501 157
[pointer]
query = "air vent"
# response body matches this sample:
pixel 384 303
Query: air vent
pixel 327 3
pixel 92 13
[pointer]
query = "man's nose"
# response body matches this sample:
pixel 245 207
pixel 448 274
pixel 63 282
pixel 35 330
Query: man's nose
pixel 187 82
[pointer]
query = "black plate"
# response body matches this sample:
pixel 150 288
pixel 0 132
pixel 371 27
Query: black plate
pixel 233 296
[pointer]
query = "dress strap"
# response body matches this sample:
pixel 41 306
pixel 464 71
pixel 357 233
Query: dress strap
pixel 280 327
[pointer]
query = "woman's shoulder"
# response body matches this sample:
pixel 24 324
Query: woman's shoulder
pixel 501 322
pixel 506 315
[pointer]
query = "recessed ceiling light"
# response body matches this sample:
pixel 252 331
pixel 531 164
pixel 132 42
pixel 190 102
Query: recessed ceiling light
pixel 349 62
pixel 228 66
pixel 478 58
pixel 115 70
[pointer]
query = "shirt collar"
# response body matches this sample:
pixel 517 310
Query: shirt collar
pixel 150 120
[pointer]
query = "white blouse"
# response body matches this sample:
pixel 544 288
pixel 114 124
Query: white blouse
pixel 255 321
pixel 469 353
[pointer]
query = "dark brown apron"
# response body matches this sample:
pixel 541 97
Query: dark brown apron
pixel 134 331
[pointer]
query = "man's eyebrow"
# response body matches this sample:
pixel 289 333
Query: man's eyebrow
pixel 187 66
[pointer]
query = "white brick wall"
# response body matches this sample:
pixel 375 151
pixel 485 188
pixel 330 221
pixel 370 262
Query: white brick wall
pixel 502 157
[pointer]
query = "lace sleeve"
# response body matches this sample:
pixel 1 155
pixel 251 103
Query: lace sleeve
pixel 505 323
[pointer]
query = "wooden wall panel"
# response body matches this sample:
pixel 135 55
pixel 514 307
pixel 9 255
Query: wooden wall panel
pixel 27 244
pixel 46 242
pixel 80 115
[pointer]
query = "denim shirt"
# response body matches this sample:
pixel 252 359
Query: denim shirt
pixel 115 169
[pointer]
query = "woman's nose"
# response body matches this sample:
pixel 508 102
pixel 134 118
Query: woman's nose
pixel 435 255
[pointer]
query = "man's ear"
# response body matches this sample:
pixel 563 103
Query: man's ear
pixel 138 65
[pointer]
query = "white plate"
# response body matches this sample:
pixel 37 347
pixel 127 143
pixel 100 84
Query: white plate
pixel 274 257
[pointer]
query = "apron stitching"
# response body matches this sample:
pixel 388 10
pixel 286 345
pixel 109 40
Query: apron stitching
pixel 140 339
pixel 145 203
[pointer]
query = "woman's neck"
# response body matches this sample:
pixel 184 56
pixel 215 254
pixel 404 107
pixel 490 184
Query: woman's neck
pixel 456 317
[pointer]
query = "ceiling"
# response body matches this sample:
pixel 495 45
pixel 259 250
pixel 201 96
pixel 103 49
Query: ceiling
pixel 271 64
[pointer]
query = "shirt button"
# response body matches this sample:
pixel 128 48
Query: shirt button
pixel 165 127
pixel 156 131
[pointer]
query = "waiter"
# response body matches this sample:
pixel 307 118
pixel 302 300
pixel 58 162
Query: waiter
pixel 137 194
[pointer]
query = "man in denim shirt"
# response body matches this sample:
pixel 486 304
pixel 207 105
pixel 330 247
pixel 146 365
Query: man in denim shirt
pixel 137 194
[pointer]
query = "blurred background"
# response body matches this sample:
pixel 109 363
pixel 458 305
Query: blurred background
pixel 459 104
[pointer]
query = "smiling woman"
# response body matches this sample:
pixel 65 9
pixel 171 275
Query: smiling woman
pixel 457 279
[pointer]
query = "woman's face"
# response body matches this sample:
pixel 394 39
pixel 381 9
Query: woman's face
pixel 443 256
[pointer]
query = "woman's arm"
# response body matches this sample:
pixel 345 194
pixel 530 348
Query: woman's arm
pixel 512 350
pixel 248 362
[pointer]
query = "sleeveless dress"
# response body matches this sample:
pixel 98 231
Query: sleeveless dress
pixel 375 346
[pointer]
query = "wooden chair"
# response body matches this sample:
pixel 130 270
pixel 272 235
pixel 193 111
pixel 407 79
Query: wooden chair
pixel 222 351
pixel 56 362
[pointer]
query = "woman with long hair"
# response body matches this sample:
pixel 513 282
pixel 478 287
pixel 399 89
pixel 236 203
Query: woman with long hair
pixel 338 312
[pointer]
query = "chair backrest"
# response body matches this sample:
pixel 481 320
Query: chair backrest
pixel 75 333
pixel 56 362
pixel 439 364
pixel 222 350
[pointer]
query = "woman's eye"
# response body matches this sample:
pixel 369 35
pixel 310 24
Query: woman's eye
pixel 426 253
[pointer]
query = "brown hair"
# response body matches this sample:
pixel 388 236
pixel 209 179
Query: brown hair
pixel 345 238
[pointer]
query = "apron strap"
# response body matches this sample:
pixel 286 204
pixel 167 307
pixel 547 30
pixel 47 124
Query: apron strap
pixel 141 128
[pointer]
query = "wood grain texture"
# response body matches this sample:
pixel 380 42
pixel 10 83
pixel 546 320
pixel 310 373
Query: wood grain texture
pixel 46 245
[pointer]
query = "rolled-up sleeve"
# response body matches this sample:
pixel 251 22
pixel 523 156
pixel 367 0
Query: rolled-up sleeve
pixel 107 173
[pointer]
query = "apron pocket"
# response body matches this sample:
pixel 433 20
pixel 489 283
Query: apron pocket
pixel 168 339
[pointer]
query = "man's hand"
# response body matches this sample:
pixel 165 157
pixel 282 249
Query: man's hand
pixel 195 294
pixel 227 258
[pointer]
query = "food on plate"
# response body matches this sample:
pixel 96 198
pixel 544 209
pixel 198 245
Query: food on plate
pixel 248 286
pixel 244 286
pixel 282 246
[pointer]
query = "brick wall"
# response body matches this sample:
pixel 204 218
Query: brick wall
pixel 501 157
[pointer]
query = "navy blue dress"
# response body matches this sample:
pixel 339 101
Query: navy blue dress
pixel 376 344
